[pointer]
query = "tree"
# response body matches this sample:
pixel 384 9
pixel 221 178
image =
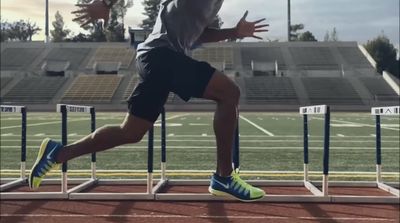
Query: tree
pixel 294 31
pixel 20 30
pixel 115 31
pixel 332 36
pixel 151 8
pixel 59 33
pixel 384 53
pixel 307 36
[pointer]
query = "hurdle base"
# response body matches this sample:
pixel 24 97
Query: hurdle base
pixel 12 183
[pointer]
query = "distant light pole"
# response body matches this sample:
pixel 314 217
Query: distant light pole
pixel 289 21
pixel 47 22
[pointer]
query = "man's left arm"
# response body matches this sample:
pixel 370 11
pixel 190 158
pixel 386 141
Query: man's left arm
pixel 243 29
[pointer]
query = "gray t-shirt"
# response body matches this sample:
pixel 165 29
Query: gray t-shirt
pixel 180 23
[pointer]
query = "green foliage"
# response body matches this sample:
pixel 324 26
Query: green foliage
pixel 384 53
pixel 151 8
pixel 307 36
pixel 18 31
pixel 59 33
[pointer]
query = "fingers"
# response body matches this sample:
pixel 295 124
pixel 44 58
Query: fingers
pixel 245 15
pixel 87 22
pixel 258 21
pixel 79 11
pixel 261 26
pixel 81 18
pixel 257 37
pixel 261 30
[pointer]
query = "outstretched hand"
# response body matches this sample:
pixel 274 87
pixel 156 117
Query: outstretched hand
pixel 249 29
pixel 89 13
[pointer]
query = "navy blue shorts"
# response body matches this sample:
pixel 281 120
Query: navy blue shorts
pixel 162 70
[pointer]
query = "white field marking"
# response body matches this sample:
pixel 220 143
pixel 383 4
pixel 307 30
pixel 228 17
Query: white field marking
pixel 210 171
pixel 39 134
pixel 198 124
pixel 244 136
pixel 260 118
pixel 73 134
pixel 242 147
pixel 340 135
pixel 44 123
pixel 7 134
pixel 391 125
pixel 203 216
pixel 242 140
pixel 169 124
pixel 364 125
pixel 257 126
pixel 347 125
pixel 184 118
pixel 171 134
pixel 204 134
pixel 172 117
pixel 198 118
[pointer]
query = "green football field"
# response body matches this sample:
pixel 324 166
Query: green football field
pixel 271 144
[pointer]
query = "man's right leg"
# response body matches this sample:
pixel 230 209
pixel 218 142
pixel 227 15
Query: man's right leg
pixel 52 153
pixel 130 131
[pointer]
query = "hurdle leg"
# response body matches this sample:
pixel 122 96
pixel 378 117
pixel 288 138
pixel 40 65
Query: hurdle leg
pixel 326 152
pixel 150 151
pixel 378 150
pixel 305 145
pixel 64 141
pixel 163 146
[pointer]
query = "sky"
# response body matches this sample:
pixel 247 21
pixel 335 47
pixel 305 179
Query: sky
pixel 354 20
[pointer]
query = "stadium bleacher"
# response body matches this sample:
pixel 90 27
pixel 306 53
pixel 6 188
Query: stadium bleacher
pixel 122 55
pixel 132 83
pixel 380 90
pixel 314 58
pixel 92 89
pixel 262 54
pixel 4 81
pixel 331 90
pixel 270 90
pixel 19 58
pixel 74 56
pixel 34 90
pixel 354 57
pixel 215 55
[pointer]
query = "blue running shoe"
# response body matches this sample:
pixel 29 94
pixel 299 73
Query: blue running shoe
pixel 235 187
pixel 45 162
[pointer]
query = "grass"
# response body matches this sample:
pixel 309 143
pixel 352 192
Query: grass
pixel 191 144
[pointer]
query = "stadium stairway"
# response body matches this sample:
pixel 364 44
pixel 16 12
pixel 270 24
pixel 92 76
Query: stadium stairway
pixel 119 93
pixel 60 93
pixel 11 84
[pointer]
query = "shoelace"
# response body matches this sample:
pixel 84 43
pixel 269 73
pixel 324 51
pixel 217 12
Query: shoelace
pixel 238 182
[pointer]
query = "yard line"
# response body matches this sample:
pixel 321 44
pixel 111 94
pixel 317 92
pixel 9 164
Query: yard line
pixel 171 216
pixel 198 124
pixel 43 123
pixel 257 126
pixel 242 140
pixel 242 147
pixel 362 124
pixel 7 134
pixel 340 135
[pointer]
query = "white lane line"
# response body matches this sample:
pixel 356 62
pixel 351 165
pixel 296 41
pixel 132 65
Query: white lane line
pixel 242 147
pixel 203 216
pixel 198 124
pixel 359 124
pixel 43 123
pixel 204 134
pixel 257 126
pixel 7 134
pixel 42 134
pixel 340 135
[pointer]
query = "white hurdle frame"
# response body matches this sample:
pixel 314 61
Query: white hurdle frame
pixel 11 182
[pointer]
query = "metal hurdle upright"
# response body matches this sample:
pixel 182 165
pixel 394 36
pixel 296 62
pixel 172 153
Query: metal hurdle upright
pixel 149 194
pixel 10 183
pixel 378 112
pixel 317 110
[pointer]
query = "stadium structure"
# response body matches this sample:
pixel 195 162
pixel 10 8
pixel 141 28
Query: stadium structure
pixel 272 75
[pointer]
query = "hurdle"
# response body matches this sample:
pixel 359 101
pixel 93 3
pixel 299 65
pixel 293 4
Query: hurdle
pixel 316 110
pixel 10 183
pixel 151 189
pixel 378 112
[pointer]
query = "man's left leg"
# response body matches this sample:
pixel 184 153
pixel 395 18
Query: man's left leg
pixel 227 181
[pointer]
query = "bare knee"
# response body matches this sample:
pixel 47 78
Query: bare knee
pixel 231 95
pixel 131 136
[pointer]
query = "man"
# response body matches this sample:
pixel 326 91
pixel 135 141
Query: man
pixel 163 66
